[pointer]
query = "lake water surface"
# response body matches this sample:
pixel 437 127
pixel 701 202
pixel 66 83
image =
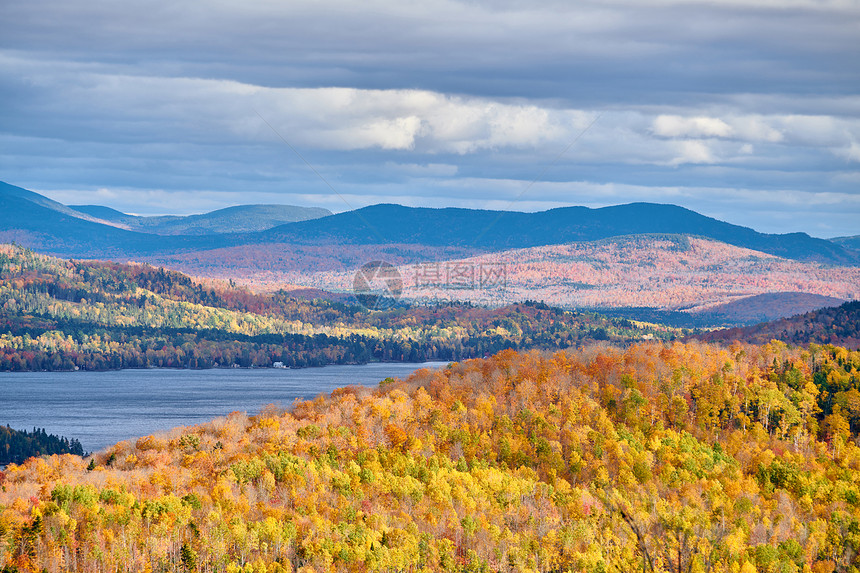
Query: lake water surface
pixel 102 408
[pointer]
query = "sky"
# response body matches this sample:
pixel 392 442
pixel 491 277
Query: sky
pixel 743 110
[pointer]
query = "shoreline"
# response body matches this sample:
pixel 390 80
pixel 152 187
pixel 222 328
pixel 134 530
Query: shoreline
pixel 167 368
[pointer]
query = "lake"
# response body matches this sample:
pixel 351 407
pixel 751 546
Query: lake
pixel 102 408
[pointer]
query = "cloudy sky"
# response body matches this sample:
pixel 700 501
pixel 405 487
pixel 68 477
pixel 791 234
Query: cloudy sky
pixel 745 110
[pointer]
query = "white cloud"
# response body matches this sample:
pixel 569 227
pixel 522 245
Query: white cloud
pixel 692 151
pixel 158 108
pixel 411 119
pixel 677 126
pixel 754 128
pixel 422 170
pixel 851 152
pixel 815 130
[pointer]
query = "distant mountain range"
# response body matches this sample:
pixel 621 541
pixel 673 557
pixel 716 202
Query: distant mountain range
pixel 848 242
pixel 699 282
pixel 33 220
pixel 92 231
pixel 239 219
pixel 500 230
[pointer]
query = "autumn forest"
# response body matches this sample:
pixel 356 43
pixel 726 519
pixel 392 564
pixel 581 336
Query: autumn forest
pixel 457 286
pixel 680 457
pixel 553 441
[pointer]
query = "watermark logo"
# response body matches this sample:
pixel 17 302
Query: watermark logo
pixel 377 285
pixel 463 275
pixel 452 282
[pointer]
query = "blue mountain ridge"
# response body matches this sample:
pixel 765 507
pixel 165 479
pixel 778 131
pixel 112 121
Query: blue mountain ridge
pixel 45 225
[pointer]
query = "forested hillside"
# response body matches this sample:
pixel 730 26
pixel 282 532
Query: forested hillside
pixel 658 272
pixel 654 458
pixel 65 315
pixel 835 325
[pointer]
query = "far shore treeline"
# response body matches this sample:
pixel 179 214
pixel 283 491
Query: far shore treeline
pixel 60 315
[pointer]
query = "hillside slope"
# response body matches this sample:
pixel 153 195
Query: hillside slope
pixel 20 193
pixel 666 272
pixel 767 306
pixel 834 325
pixel 37 222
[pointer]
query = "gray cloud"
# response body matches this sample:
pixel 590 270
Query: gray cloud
pixel 744 110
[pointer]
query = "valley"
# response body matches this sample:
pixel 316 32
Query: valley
pixel 584 413
pixel 587 411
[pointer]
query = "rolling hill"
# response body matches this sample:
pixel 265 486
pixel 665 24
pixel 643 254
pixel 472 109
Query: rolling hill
pixel 833 325
pixel 40 223
pixel 666 273
pixel 682 457
pixel 658 258
pixel 767 306
pixel 59 314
